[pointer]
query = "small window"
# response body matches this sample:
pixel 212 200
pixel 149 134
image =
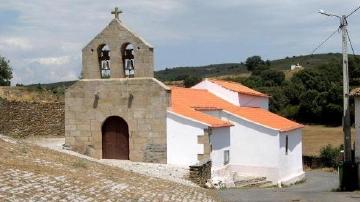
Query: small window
pixel 286 144
pixel 226 157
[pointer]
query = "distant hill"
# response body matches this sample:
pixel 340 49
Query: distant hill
pixel 232 69
pixel 179 73
pixel 220 70
pixel 57 88
pixel 63 84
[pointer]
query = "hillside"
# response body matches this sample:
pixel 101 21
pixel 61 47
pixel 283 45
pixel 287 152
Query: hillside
pixel 230 69
pixel 218 70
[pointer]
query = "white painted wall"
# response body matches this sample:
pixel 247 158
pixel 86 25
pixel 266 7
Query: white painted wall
pixel 182 140
pixel 291 164
pixel 233 97
pixel 254 149
pixel 219 91
pixel 253 101
pixel 220 141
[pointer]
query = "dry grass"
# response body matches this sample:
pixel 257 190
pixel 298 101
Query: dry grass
pixel 316 136
pixel 290 73
pixel 25 94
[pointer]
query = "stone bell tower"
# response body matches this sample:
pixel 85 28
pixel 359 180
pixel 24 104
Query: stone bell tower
pixel 117 110
pixel 117 52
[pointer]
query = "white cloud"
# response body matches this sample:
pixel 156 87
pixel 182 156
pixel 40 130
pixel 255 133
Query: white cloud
pixel 52 60
pixel 45 43
pixel 14 43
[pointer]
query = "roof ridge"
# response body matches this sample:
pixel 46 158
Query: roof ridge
pixel 194 89
pixel 233 82
pixel 237 87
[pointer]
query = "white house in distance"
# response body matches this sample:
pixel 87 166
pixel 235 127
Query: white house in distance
pixel 245 138
pixel 295 67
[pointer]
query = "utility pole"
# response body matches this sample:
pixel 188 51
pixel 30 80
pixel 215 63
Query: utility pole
pixel 346 112
pixel 348 169
pixel 346 122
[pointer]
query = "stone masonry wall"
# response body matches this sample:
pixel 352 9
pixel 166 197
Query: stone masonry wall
pixel 201 173
pixel 116 35
pixel 23 119
pixel 141 102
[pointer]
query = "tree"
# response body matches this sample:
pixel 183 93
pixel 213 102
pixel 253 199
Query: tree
pixel 252 62
pixel 191 81
pixel 272 77
pixel 309 108
pixel 5 72
pixel 268 63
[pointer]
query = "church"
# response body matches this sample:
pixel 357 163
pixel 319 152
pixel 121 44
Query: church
pixel 118 110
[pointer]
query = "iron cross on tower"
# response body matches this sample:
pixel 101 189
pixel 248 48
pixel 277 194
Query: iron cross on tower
pixel 116 12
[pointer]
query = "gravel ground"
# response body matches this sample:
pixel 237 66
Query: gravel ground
pixel 163 171
pixel 318 186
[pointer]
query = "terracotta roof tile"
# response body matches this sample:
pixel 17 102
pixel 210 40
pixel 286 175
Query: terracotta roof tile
pixel 237 87
pixel 186 101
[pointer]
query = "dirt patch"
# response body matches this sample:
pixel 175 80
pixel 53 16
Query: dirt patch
pixel 316 136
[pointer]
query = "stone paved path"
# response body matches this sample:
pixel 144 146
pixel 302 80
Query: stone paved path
pixel 31 173
pixel 163 171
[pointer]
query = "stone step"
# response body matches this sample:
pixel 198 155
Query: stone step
pixel 252 182
pixel 267 185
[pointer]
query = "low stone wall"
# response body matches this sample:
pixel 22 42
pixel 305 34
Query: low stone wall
pixel 21 119
pixel 200 173
pixel 312 162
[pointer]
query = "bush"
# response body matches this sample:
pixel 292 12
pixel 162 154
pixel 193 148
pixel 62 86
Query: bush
pixel 191 81
pixel 330 155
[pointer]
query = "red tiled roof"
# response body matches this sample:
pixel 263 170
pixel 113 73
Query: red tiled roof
pixel 237 87
pixel 185 101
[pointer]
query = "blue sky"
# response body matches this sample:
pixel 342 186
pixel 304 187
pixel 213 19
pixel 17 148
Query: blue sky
pixel 43 39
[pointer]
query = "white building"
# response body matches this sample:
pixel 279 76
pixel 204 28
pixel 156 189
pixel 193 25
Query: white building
pixel 244 137
pixel 295 67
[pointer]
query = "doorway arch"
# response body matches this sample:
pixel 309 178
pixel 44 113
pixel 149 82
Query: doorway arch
pixel 115 138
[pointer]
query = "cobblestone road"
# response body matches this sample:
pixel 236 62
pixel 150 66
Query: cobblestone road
pixel 29 173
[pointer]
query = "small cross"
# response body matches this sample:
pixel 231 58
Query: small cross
pixel 116 12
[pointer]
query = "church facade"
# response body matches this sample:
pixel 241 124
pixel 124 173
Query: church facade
pixel 117 110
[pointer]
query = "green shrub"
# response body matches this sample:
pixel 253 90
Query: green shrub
pixel 191 81
pixel 330 155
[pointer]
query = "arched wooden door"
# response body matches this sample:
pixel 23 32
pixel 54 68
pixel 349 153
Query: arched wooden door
pixel 115 139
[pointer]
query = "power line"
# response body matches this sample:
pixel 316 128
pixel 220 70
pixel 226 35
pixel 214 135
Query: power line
pixel 352 48
pixel 322 43
pixel 353 11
